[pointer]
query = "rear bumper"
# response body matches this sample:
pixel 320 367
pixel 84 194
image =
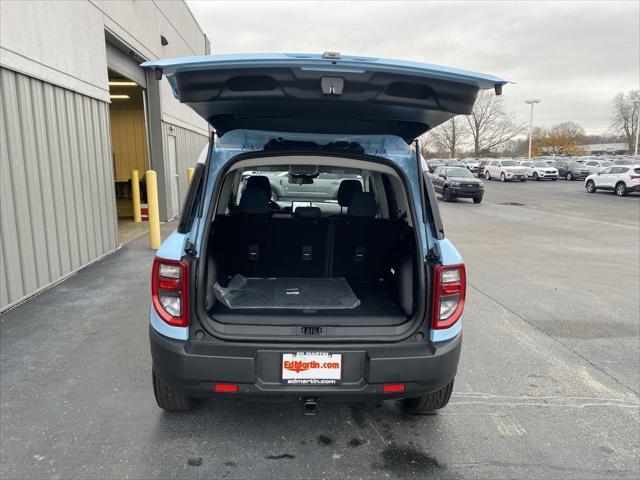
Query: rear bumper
pixel 195 368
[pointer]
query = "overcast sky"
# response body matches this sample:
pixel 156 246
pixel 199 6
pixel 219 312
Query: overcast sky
pixel 574 56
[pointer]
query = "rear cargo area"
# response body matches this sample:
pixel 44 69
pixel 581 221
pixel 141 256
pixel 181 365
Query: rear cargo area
pixel 341 271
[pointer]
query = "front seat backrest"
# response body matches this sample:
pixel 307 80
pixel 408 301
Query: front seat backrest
pixel 259 182
pixel 254 201
pixel 346 190
pixel 362 204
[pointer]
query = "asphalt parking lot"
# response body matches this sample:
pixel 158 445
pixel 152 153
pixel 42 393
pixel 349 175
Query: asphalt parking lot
pixel 547 386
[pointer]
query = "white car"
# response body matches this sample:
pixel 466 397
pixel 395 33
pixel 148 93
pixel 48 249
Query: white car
pixel 504 170
pixel 594 166
pixel 622 179
pixel 539 170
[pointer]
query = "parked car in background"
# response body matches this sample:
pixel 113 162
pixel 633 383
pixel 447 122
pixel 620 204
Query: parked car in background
pixel 471 163
pixel 457 182
pixel 505 170
pixel 539 170
pixel 571 170
pixel 482 163
pixel 433 164
pixel 594 166
pixel 621 179
pixel 453 162
pixel 624 161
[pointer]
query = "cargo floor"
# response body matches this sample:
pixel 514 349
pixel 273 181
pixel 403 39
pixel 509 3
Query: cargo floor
pixel 377 308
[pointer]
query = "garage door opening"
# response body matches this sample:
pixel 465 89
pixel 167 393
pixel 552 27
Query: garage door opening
pixel 130 150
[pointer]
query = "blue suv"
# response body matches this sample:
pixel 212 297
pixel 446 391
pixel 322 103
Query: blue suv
pixel 317 296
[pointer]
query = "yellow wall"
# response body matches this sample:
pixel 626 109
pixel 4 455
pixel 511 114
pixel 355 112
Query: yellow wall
pixel 128 135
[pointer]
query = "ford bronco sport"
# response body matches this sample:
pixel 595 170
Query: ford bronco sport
pixel 344 294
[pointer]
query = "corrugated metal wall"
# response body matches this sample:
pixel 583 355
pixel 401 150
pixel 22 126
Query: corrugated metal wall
pixel 57 204
pixel 189 144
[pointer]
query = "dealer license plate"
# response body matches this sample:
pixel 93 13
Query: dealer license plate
pixel 311 368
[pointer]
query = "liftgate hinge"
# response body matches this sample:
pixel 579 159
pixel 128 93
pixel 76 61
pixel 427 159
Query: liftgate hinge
pixel 433 255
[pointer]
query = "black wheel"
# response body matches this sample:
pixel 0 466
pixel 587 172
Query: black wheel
pixel 429 402
pixel 569 176
pixel 621 189
pixel 171 400
pixel 503 177
pixel 487 175
pixel 590 186
pixel 477 199
pixel 554 179
pixel 523 179
pixel 535 176
pixel 446 195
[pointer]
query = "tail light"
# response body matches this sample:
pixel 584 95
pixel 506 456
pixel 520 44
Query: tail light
pixel 634 177
pixel 169 282
pixel 448 295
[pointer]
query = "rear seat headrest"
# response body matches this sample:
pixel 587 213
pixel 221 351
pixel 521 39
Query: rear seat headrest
pixel 259 181
pixel 363 204
pixel 254 201
pixel 308 212
pixel 346 189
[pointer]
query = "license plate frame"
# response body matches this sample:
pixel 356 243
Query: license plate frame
pixel 311 368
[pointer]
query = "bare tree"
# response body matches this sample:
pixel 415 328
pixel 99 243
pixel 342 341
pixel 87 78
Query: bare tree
pixel 447 137
pixel 624 120
pixel 489 125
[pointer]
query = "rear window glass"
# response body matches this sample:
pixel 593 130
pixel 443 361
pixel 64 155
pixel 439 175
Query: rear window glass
pixel 636 170
pixel 288 191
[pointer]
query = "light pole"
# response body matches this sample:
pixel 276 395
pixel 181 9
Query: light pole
pixel 637 104
pixel 531 102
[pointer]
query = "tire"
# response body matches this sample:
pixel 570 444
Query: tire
pixel 446 196
pixel 590 186
pixel 171 400
pixel 429 402
pixel 477 199
pixel 621 189
pixel 487 175
pixel 554 179
pixel 523 179
pixel 569 176
pixel 503 177
pixel 536 177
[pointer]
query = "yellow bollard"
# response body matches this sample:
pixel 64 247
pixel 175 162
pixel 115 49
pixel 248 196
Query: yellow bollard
pixel 135 194
pixel 189 174
pixel 152 203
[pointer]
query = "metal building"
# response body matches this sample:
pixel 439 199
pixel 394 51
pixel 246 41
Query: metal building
pixel 77 114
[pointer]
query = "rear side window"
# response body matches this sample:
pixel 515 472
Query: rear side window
pixel 191 203
pixel 636 170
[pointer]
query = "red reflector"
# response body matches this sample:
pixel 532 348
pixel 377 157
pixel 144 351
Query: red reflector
pixel 165 283
pixel 225 387
pixel 450 288
pixel 393 387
